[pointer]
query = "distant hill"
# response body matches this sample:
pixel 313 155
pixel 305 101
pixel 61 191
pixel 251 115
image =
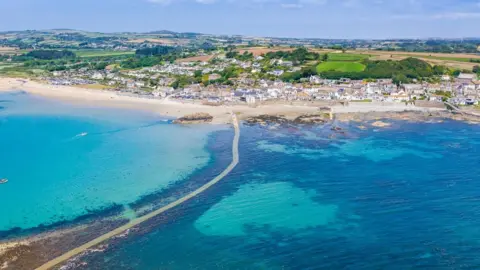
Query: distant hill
pixel 161 32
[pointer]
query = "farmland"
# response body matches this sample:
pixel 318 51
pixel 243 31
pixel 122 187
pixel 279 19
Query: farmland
pixel 101 53
pixel 201 58
pixel 455 60
pixel 257 51
pixel 347 57
pixel 345 66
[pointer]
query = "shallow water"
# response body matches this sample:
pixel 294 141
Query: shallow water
pixel 404 197
pixel 65 161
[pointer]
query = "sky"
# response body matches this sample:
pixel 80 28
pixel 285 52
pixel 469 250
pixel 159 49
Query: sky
pixel 363 19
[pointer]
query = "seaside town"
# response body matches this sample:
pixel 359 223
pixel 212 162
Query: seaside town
pixel 156 82
pixel 217 70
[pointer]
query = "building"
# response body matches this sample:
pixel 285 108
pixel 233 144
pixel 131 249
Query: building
pixel 98 76
pixel 466 78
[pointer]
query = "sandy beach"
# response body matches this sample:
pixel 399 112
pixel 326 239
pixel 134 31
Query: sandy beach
pixel 82 96
pixel 166 107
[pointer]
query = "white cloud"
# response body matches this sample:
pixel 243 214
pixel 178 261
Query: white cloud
pixel 162 2
pixel 456 15
pixel 206 1
pixel 438 16
pixel 314 2
pixel 291 6
pixel 350 3
pixel 167 2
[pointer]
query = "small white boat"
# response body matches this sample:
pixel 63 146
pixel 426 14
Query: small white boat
pixel 3 181
pixel 83 134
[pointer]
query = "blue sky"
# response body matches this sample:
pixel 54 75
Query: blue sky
pixel 285 18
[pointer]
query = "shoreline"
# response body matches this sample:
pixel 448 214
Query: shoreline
pixel 177 109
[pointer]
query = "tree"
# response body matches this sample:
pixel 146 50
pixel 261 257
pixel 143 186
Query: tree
pixel 50 54
pixel 400 79
pixel 476 69
pixel 325 57
pixel 231 54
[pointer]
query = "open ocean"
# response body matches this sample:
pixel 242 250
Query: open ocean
pixel 302 197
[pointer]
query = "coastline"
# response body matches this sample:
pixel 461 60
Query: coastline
pixel 176 109
pixel 83 96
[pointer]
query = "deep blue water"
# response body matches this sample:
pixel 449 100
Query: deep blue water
pixel 67 161
pixel 403 197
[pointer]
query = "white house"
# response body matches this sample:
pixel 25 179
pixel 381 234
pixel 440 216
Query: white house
pixel 97 76
pixel 250 99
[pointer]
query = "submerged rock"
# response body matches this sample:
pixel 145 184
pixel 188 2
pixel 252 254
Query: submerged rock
pixel 311 119
pixel 195 118
pixel 380 124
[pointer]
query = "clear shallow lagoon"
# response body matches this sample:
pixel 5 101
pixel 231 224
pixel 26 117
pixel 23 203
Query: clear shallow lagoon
pixel 65 161
pixel 405 197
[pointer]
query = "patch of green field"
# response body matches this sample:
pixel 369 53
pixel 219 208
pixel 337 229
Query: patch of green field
pixel 347 57
pixel 444 58
pixel 449 58
pixel 101 53
pixel 340 66
pixel 7 65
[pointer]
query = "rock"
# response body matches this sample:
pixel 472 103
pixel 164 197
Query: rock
pixel 279 120
pixel 195 118
pixel 266 120
pixel 311 119
pixel 380 124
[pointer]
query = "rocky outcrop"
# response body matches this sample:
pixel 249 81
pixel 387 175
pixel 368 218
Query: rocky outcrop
pixel 308 119
pixel 266 120
pixel 312 119
pixel 196 118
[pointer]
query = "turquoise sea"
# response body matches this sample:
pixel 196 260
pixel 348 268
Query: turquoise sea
pixel 302 197
pixel 65 161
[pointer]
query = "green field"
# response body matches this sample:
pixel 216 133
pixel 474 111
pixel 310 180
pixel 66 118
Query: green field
pixel 7 65
pixel 340 66
pixel 444 58
pixel 448 58
pixel 347 57
pixel 101 53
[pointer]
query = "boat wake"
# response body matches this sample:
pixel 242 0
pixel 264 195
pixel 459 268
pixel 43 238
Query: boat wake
pixel 83 134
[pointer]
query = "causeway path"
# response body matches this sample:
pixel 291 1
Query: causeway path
pixel 76 251
pixel 455 108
